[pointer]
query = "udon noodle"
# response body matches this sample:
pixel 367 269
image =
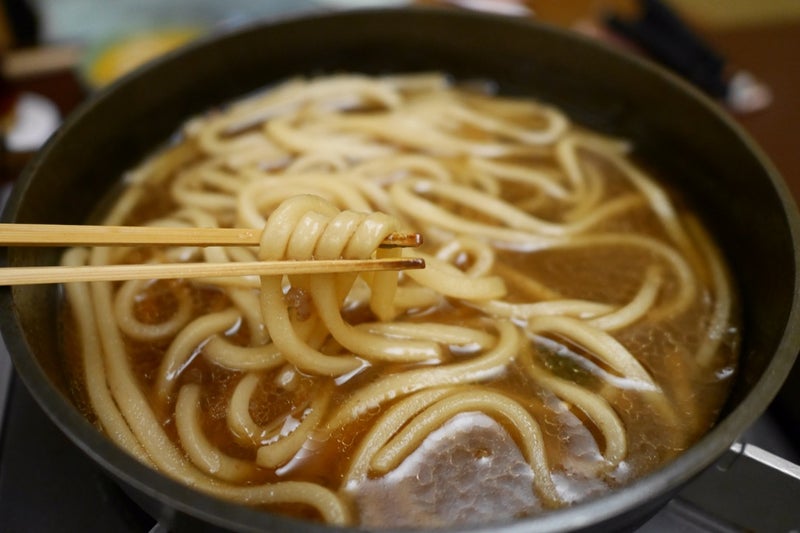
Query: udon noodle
pixel 574 327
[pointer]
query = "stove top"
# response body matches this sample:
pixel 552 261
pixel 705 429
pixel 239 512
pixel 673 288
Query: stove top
pixel 47 484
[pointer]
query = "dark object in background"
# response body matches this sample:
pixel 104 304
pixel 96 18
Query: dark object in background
pixel 23 23
pixel 20 29
pixel 662 34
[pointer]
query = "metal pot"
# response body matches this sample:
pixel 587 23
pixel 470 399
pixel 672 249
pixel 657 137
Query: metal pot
pixel 675 129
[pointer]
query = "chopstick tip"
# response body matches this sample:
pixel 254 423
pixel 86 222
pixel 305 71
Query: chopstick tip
pixel 416 263
pixel 397 240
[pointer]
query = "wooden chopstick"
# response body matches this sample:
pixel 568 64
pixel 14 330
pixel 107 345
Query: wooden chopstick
pixel 67 274
pixel 79 235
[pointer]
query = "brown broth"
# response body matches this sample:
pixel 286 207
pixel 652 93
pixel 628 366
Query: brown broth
pixel 569 439
pixel 472 463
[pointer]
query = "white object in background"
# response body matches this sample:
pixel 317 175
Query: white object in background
pixel 35 119
pixel 746 94
pixel 512 8
pixel 345 4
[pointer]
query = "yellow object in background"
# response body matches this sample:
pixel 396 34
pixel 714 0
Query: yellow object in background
pixel 124 55
pixel 738 13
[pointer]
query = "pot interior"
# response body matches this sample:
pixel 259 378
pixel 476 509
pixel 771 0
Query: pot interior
pixel 675 131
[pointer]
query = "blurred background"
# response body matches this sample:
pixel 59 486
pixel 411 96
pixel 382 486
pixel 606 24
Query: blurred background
pixel 54 53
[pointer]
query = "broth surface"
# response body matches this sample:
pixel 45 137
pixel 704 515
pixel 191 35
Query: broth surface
pixel 579 324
